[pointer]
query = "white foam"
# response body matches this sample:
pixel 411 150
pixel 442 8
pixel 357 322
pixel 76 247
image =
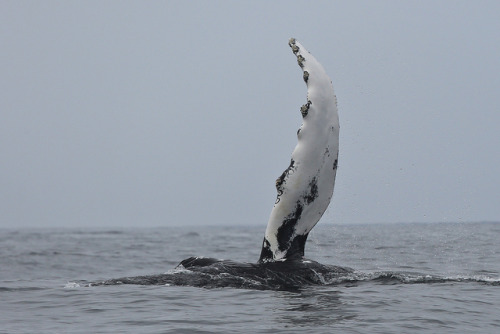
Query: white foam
pixel 72 285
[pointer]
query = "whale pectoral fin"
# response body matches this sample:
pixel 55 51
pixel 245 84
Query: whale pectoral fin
pixel 306 186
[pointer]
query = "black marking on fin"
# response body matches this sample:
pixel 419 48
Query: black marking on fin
pixel 280 180
pixel 297 246
pixel 295 251
pixel 266 253
pixel 287 229
pixel 313 191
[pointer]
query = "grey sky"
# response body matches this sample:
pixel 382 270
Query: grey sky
pixel 142 113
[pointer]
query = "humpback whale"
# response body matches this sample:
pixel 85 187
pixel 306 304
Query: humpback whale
pixel 304 189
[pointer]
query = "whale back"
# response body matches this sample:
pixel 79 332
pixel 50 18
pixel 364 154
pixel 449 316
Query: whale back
pixel 305 188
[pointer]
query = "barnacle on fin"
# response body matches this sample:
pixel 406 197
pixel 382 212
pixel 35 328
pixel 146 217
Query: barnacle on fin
pixel 300 60
pixel 296 49
pixel 306 76
pixel 305 108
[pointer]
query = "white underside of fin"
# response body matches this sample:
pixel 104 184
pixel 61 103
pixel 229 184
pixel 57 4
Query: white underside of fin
pixel 306 187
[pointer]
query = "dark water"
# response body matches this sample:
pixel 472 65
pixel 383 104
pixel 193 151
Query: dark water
pixel 409 278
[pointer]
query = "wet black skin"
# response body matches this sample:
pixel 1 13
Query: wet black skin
pixel 289 275
pixel 274 274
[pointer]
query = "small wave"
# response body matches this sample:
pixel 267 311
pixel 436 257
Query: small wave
pixel 477 278
pixel 191 234
pixel 390 277
pixel 24 288
pixel 72 285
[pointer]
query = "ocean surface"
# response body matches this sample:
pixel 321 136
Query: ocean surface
pixel 409 278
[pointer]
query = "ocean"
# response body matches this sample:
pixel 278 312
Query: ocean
pixel 409 278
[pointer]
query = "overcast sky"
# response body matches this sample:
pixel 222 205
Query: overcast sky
pixel 119 113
